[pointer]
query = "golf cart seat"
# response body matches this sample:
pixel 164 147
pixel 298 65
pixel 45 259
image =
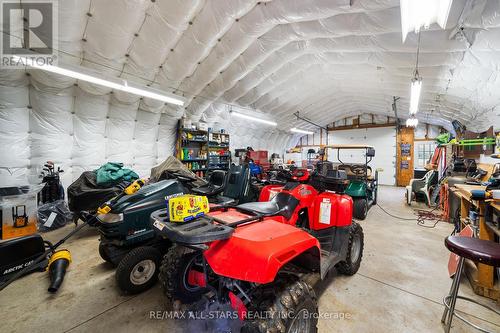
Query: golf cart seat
pixel 282 204
pixel 356 171
pixel 216 184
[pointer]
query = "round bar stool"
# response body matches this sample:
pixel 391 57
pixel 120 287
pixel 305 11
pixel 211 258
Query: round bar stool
pixel 478 250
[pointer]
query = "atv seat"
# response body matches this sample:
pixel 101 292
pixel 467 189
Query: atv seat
pixel 330 180
pixel 283 204
pixel 216 184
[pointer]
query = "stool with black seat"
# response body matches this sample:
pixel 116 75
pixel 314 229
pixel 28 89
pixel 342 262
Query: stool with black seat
pixel 216 184
pixel 477 250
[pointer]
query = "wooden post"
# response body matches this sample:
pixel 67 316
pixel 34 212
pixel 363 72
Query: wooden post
pixel 405 136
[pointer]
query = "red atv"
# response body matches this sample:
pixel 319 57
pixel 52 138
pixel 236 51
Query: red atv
pixel 257 256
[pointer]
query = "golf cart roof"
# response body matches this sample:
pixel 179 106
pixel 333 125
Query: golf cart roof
pixel 349 146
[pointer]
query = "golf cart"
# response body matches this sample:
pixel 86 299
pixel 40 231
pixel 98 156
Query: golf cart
pixel 363 182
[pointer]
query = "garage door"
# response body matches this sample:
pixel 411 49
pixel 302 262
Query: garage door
pixel 384 141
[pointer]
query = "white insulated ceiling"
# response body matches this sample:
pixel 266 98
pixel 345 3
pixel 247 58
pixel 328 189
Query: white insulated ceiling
pixel 328 59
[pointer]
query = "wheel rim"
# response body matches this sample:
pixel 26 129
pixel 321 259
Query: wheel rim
pixel 142 272
pixel 185 282
pixel 355 248
pixel 300 322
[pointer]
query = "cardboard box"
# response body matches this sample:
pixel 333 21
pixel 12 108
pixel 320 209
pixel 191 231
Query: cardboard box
pixel 187 207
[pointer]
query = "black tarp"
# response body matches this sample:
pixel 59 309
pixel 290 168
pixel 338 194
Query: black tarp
pixel 85 195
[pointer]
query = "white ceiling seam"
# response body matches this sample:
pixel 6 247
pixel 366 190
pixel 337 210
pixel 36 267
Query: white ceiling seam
pixel 289 52
pixel 216 18
pixel 149 55
pixel 385 20
pixel 271 42
pixel 250 27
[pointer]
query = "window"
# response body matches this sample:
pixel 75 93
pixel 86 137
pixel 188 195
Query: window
pixel 423 152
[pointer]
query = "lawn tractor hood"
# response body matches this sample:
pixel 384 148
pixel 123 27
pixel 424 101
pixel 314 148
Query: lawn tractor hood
pixel 149 195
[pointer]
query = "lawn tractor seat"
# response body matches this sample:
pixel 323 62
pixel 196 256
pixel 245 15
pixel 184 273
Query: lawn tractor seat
pixel 217 182
pixel 283 204
pixel 421 186
pixel 237 185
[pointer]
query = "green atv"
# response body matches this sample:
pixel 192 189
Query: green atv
pixel 363 184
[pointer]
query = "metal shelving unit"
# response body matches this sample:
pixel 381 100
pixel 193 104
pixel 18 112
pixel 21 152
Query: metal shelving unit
pixel 205 150
pixel 219 156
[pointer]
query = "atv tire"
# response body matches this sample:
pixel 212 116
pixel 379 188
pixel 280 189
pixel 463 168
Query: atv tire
pixel 173 275
pixel 354 251
pixel 296 304
pixel 138 270
pixel 360 209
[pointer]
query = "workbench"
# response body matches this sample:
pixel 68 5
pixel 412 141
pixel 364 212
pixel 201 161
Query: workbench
pixel 481 277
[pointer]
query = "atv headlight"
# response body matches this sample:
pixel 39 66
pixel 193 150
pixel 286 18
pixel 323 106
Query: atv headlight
pixel 110 218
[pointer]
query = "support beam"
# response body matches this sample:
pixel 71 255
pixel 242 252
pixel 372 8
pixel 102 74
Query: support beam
pixel 348 127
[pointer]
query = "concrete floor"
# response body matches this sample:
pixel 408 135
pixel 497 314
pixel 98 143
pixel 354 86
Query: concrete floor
pixel 399 287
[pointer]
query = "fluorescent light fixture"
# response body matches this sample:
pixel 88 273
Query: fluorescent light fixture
pixel 296 130
pixel 120 84
pixel 412 122
pixel 416 88
pixel 258 120
pixel 416 14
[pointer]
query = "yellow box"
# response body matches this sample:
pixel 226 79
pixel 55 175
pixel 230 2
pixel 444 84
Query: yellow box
pixel 187 207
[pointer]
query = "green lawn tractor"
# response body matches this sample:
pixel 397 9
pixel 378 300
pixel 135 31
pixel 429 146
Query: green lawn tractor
pixel 127 237
pixel 363 184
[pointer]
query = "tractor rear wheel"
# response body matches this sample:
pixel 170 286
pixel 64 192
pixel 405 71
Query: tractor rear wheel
pixel 354 251
pixel 360 209
pixel 174 274
pixel 294 309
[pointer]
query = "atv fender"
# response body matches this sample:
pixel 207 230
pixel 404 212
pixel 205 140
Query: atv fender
pixel 256 252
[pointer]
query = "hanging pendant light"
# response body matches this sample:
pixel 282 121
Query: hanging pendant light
pixel 412 122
